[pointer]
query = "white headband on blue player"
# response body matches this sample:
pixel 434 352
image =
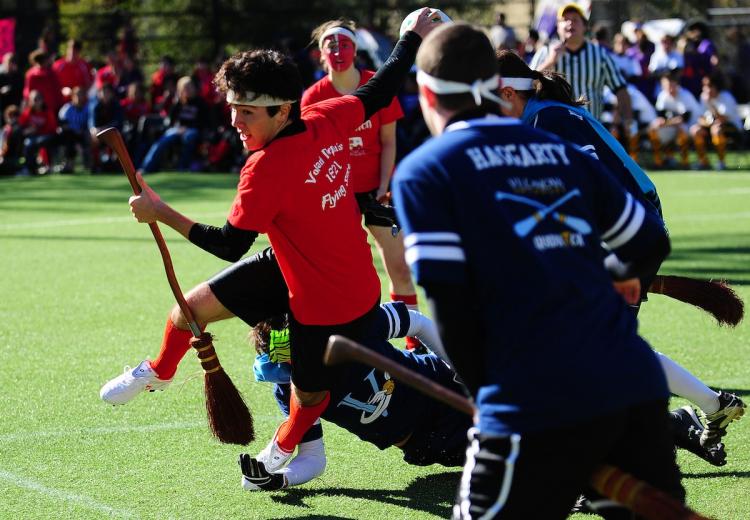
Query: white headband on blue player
pixel 478 89
pixel 518 83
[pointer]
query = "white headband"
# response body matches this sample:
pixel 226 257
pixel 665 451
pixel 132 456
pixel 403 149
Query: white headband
pixel 518 83
pixel 343 31
pixel 255 100
pixel 479 89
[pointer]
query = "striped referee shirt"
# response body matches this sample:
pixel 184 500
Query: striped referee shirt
pixel 588 70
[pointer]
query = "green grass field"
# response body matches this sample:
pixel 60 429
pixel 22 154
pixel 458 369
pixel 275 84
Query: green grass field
pixel 84 293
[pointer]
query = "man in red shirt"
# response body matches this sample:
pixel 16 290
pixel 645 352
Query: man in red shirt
pixel 72 70
pixel 42 78
pixel 39 126
pixel 294 187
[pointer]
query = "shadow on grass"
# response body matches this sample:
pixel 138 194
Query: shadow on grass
pixel 722 256
pixel 431 494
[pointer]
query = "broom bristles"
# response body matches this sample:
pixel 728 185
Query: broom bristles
pixel 228 416
pixel 715 297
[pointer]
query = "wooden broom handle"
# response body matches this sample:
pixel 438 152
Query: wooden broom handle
pixel 112 138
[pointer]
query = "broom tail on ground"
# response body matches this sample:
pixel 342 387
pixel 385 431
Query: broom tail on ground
pixel 715 297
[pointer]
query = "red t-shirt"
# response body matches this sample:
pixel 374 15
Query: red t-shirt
pixel 45 81
pixel 42 123
pixel 297 191
pixel 364 143
pixel 76 73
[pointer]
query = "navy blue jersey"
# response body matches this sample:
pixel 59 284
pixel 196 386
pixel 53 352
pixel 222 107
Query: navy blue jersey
pixel 519 216
pixel 576 125
pixel 382 411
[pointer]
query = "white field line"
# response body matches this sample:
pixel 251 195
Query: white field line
pixel 714 192
pixel 64 496
pixel 103 430
pixel 706 217
pixel 51 224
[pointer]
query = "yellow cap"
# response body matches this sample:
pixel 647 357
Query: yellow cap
pixel 572 7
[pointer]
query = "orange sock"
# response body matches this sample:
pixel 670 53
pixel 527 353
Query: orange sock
pixel 411 302
pixel 653 135
pixel 683 142
pixel 720 142
pixel 301 418
pixel 174 345
pixel 700 147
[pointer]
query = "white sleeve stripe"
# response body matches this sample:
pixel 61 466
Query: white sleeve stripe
pixel 393 320
pixel 446 253
pixel 623 218
pixel 632 228
pixel 433 236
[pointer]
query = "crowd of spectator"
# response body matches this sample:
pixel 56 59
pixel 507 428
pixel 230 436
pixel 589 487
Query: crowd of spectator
pixel 682 94
pixel 52 112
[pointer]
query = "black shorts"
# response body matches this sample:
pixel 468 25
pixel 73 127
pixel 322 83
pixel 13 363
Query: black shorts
pixel 540 475
pixel 253 289
pixel 308 343
pixel 367 199
pixel 439 441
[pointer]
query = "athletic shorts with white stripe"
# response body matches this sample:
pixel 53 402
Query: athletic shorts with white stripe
pixel 541 474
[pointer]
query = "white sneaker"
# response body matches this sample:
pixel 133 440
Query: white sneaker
pixel 273 457
pixel 130 383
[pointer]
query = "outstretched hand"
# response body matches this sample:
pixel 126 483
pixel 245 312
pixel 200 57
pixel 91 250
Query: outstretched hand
pixel 427 20
pixel 629 289
pixel 144 206
pixel 255 476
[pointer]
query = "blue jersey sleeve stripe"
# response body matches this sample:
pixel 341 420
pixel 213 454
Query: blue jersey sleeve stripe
pixel 631 229
pixel 444 253
pixel 622 220
pixel 432 236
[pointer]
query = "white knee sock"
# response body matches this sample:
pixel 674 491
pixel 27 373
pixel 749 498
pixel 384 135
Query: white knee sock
pixel 425 330
pixel 684 384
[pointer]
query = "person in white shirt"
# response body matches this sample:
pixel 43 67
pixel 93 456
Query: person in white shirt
pixel 677 110
pixel 666 57
pixel 718 117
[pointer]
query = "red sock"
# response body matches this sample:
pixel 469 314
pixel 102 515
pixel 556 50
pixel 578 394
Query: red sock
pixel 411 302
pixel 174 346
pixel 301 418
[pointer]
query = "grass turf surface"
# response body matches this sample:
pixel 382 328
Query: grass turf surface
pixel 84 293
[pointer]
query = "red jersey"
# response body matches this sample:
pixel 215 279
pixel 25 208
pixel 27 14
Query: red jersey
pixel 76 73
pixel 364 142
pixel 296 190
pixel 42 122
pixel 134 110
pixel 45 81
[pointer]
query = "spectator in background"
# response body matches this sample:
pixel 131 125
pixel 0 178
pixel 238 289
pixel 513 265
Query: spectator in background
pixel 161 78
pixel 666 57
pixel 739 64
pixel 39 129
pixel 105 112
pixel 11 82
pixel 628 65
pixel 72 70
pixel 109 74
pixel 188 119
pixel 718 117
pixel 74 129
pixel 127 44
pixel 642 51
pixel 162 104
pixel 42 78
pixel 530 45
pixel 11 141
pixel 502 35
pixel 136 111
pixel 700 57
pixel 677 110
pixel 203 77
pixel 130 72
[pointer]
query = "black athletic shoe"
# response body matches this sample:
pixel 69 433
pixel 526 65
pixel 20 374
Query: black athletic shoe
pixel 730 409
pixel 687 429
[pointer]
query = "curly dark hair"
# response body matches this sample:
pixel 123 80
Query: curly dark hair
pixel 262 71
pixel 260 335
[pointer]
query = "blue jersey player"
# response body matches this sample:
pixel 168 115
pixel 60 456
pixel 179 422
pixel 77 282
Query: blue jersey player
pixel 543 100
pixel 367 403
pixel 503 230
